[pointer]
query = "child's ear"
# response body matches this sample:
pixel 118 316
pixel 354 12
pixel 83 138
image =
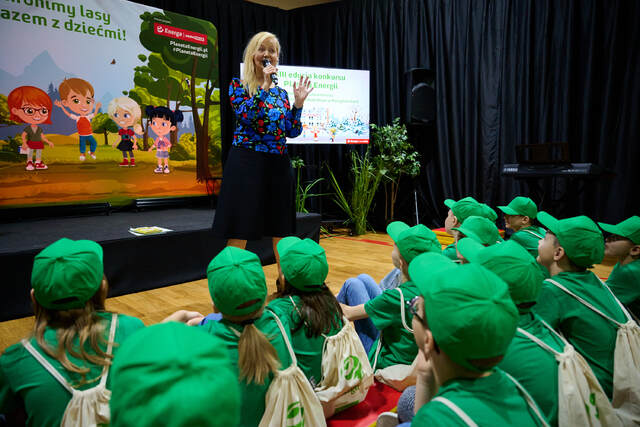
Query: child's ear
pixel 526 219
pixel 173 128
pixel 635 250
pixel 558 253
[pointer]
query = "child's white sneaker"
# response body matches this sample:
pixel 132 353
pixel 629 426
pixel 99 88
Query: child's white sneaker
pixel 82 157
pixel 30 166
pixel 93 156
pixel 166 169
pixel 158 169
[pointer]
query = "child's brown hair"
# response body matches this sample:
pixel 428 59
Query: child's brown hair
pixel 76 85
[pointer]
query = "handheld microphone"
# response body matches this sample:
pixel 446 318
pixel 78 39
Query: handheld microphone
pixel 274 76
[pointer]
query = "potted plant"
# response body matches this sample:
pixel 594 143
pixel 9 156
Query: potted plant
pixel 302 193
pixel 395 158
pixel 365 181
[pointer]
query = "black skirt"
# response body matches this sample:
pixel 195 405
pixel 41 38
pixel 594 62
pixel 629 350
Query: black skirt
pixel 257 197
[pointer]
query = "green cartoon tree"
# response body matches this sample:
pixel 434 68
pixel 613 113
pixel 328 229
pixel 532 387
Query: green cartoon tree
pixel 201 73
pixel 4 112
pixel 103 124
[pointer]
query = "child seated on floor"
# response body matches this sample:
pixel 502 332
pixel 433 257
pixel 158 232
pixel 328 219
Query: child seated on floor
pixel 624 245
pixel 306 303
pixel 73 341
pixel 257 349
pixel 375 311
pixel 458 212
pixel 519 215
pixel 568 249
pixel 173 375
pixel 463 322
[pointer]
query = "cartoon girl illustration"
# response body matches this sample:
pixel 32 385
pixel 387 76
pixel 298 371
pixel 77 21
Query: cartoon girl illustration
pixel 163 121
pixel 28 104
pixel 126 113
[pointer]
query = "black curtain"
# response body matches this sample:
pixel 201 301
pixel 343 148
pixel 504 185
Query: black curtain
pixel 508 72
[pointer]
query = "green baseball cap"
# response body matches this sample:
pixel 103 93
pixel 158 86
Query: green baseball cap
pixel 67 273
pixel 425 265
pixel 511 262
pixel 413 241
pixel 236 282
pixel 173 375
pixel 464 208
pixel 521 206
pixel 303 262
pixel 629 228
pixel 480 229
pixel 468 309
pixel 488 212
pixel 579 236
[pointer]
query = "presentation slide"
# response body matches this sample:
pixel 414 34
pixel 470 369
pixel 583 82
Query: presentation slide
pixel 337 111
pixel 96 103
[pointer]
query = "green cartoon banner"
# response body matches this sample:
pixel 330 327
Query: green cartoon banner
pixel 105 100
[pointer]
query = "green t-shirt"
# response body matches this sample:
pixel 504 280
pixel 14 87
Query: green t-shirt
pixel 533 366
pixel 451 252
pixel 23 378
pixel 488 401
pixel 529 241
pixel 529 237
pixel 308 350
pixel 397 344
pixel 252 395
pixel 593 336
pixel 624 281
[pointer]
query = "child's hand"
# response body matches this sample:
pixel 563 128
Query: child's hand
pixel 151 148
pixel 183 316
pixel 135 146
pixel 57 103
pixel 50 144
pixel 98 105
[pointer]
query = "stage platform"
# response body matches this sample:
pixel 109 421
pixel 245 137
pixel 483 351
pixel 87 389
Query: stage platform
pixel 132 263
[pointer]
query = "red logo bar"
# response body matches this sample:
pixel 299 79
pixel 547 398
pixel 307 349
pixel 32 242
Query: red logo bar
pixel 357 140
pixel 179 33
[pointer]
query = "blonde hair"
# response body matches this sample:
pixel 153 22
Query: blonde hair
pixel 250 79
pixel 257 357
pixel 130 106
pixel 76 85
pixel 83 322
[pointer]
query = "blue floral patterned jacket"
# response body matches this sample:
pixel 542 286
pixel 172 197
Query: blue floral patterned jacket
pixel 265 120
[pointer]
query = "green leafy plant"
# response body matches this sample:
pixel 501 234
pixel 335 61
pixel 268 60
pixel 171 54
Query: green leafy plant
pixel 303 193
pixel 365 179
pixel 395 158
pixel 10 149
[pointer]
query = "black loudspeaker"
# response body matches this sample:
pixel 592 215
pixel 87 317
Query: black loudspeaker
pixel 421 93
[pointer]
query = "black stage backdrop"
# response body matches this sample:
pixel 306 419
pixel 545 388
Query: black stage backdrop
pixel 508 72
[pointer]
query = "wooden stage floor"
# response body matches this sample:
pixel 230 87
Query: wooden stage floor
pixel 347 256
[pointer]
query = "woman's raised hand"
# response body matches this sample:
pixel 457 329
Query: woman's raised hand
pixel 301 91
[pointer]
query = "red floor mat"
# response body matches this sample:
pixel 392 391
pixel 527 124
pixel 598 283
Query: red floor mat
pixel 380 398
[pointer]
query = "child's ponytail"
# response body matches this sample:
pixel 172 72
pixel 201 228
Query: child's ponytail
pixel 257 358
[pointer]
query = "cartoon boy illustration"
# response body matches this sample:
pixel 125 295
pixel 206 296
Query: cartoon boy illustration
pixel 28 104
pixel 77 96
pixel 126 113
pixel 163 122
